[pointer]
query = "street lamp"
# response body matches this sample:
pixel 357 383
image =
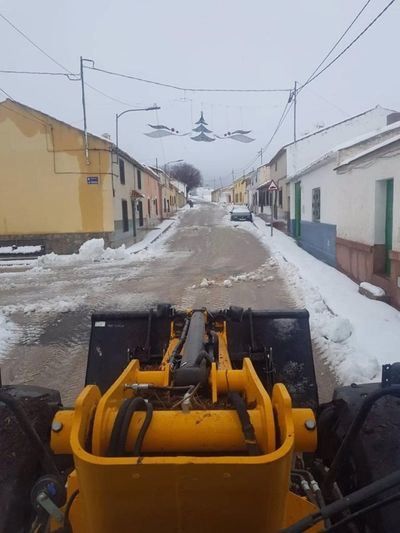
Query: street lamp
pixel 170 163
pixel 118 115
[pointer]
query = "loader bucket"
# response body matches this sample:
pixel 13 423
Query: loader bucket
pixel 117 338
pixel 279 345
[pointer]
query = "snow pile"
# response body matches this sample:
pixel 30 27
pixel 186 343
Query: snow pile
pixel 91 251
pixel 206 283
pixel 373 289
pixel 227 283
pixel 354 334
pixel 8 334
pixel 60 305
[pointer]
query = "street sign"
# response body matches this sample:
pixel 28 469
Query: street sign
pixel 272 186
pixel 92 180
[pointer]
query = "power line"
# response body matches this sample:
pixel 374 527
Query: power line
pixel 340 39
pixel 38 73
pixel 33 43
pixel 348 46
pixel 188 89
pixel 69 73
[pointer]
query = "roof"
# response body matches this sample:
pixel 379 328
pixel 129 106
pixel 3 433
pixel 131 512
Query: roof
pixel 353 142
pixel 370 150
pixel 283 148
pixel 110 144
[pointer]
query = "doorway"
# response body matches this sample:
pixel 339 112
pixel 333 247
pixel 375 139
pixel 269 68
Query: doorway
pixel 297 209
pixel 140 210
pixel 133 202
pixel 388 224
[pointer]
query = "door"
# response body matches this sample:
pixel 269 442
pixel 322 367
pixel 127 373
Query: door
pixel 134 217
pixel 297 209
pixel 388 224
pixel 140 210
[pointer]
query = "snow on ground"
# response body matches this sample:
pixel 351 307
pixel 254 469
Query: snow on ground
pixel 354 334
pixel 19 250
pixel 8 334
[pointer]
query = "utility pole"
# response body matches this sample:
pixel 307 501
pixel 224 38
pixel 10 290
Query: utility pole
pixel 294 111
pixel 85 133
pixel 260 153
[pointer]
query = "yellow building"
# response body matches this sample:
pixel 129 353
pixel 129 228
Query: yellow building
pixel 240 191
pixel 55 192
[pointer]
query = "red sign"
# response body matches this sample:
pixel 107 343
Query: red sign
pixel 272 186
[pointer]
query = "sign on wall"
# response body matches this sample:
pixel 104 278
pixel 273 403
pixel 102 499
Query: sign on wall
pixel 92 180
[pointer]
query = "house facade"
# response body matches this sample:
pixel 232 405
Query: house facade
pixel 240 194
pixel 223 194
pixel 58 192
pixel 349 208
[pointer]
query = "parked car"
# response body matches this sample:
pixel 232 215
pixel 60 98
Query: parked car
pixel 241 212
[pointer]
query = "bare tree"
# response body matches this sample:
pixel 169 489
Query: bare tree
pixel 188 174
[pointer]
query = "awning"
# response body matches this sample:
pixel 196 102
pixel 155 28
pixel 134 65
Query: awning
pixel 136 194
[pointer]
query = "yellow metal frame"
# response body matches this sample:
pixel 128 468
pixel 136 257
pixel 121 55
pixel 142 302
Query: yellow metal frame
pixel 194 474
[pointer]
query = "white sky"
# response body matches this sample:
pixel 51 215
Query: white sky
pixel 207 43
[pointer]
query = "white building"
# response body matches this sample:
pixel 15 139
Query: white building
pixel 348 207
pixel 297 155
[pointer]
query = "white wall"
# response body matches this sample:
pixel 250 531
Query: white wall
pixel 309 149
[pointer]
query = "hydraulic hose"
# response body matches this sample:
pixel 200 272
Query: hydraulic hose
pixel 247 427
pixel 121 426
pixel 16 408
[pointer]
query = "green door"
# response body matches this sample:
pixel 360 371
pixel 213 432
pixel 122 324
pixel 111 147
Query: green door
pixel 388 224
pixel 297 209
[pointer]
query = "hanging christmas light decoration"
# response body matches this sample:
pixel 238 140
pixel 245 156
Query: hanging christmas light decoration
pixel 204 134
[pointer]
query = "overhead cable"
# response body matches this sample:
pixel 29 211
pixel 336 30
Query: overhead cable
pixel 186 89
pixel 312 78
pixel 339 40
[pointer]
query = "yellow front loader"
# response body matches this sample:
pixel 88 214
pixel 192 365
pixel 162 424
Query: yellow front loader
pixel 195 421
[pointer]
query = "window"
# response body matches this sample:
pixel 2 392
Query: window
pixel 139 179
pixel 122 171
pixel 125 221
pixel 149 207
pixel 316 204
pixel 156 206
pixel 165 204
pixel 280 198
pixel 276 165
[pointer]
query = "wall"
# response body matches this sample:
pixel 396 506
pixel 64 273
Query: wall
pixel 43 177
pixel 151 191
pixel 278 173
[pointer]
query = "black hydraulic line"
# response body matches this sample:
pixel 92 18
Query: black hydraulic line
pixel 344 449
pixel 368 508
pixel 182 338
pixel 247 427
pixel 137 448
pixel 135 404
pixel 16 408
pixel 147 342
pixel 121 426
pixel 360 495
pixel 116 430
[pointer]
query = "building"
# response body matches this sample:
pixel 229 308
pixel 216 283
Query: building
pixel 58 190
pixel 181 194
pixel 223 195
pixel 240 195
pixel 295 156
pixel 348 207
pixel 169 202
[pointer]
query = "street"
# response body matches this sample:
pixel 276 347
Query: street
pixel 51 307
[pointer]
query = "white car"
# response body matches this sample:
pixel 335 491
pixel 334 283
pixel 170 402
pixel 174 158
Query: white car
pixel 241 212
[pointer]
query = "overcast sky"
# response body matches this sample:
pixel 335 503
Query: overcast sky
pixel 207 43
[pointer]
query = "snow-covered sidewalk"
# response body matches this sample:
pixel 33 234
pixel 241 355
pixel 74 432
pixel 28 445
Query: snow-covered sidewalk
pixel 354 334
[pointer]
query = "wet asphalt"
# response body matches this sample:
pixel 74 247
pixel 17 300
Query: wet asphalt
pixel 51 347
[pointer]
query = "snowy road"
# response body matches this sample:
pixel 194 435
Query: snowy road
pixel 50 307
